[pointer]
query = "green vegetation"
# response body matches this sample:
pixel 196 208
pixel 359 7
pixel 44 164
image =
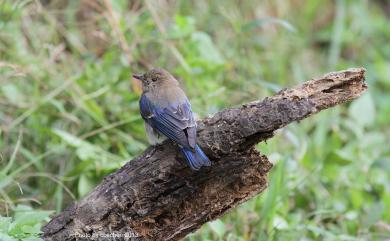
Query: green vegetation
pixel 69 111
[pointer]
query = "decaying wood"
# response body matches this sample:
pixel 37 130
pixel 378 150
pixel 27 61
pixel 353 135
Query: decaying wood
pixel 157 197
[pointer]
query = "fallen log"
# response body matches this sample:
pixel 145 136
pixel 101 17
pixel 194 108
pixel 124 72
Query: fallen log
pixel 157 196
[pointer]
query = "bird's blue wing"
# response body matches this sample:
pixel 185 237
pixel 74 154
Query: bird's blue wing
pixel 174 121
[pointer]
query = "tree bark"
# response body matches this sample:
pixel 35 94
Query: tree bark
pixel 157 197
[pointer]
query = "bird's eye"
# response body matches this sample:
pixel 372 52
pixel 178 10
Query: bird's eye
pixel 154 79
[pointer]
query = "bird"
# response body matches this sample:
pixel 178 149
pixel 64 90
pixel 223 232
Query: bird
pixel 167 113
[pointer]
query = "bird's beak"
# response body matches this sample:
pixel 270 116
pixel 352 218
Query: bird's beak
pixel 137 83
pixel 138 76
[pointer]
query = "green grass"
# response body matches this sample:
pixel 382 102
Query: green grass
pixel 69 111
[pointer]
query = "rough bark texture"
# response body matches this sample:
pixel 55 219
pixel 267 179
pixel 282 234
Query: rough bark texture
pixel 157 197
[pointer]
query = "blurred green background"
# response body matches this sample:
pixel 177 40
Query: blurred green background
pixel 69 109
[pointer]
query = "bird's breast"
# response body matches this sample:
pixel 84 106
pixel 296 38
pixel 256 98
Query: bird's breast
pixel 168 97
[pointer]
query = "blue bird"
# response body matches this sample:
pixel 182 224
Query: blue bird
pixel 167 113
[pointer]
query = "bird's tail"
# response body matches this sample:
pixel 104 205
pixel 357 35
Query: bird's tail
pixel 196 159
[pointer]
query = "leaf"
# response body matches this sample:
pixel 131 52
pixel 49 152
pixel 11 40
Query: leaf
pixel 280 223
pixel 21 208
pixel 12 93
pixel 5 237
pixel 218 227
pixel 85 185
pixel 373 141
pixel 262 21
pixel 356 197
pixel 26 215
pixel 351 215
pixel 27 221
pixel 4 181
pixel 373 215
pixel 32 229
pixel 84 149
pixel 344 156
pixel 31 217
pixel 206 48
pixel 68 138
pixel 4 223
pixel 86 152
pixel 362 110
pixel 32 239
pixel 185 25
pixel 382 163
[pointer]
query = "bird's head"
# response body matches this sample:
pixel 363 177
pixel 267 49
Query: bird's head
pixel 155 78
